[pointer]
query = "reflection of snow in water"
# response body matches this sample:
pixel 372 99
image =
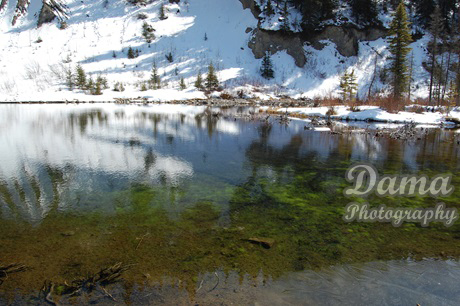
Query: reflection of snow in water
pixel 425 282
pixel 367 147
pixel 48 151
pixel 403 282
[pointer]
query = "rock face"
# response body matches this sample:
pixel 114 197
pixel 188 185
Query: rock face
pixel 346 39
pixel 274 41
pixel 46 14
pixel 21 9
pixel 250 4
pixel 3 4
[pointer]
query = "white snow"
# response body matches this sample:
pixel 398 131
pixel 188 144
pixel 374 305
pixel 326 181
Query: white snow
pixel 372 113
pixel 31 71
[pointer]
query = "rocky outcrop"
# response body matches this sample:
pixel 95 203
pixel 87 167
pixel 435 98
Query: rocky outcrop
pixel 46 14
pixel 273 41
pixel 346 39
pixel 21 9
pixel 3 4
pixel 49 11
pixel 250 4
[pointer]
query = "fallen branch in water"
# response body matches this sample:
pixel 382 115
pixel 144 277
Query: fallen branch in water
pixel 141 239
pixel 9 269
pixel 100 279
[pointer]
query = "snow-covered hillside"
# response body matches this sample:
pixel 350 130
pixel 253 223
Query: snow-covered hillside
pixel 99 33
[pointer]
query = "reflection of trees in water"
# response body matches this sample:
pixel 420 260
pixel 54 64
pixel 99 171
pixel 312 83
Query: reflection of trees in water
pixel 32 196
pixel 89 117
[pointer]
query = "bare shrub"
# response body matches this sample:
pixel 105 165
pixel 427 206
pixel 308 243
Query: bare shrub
pixel 331 111
pixel 8 86
pixel 389 104
pixel 32 70
pixel 58 71
pixel 226 96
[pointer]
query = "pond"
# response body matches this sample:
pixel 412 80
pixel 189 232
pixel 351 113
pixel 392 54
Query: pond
pixel 179 194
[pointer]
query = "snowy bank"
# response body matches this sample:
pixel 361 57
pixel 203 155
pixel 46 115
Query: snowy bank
pixel 368 113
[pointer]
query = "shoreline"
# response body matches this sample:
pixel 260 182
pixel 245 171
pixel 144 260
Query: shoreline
pixel 294 108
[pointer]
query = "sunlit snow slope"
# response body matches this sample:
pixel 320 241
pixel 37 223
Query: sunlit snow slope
pixel 100 32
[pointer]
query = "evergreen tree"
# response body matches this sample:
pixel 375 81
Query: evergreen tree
pixel 285 15
pixel 182 84
pixel 436 29
pixel 199 81
pixel 266 70
pixel 269 11
pixel 103 81
pixel 69 78
pixel 423 10
pixel 348 86
pixel 90 86
pixel 399 41
pixel 81 77
pixel 163 12
pixel 315 11
pixel 155 80
pixel 170 57
pixel 147 32
pixel 452 94
pixel 212 82
pixel 364 11
pixel 98 88
pixel 131 53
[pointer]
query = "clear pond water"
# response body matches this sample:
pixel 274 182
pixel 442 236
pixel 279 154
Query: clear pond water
pixel 175 192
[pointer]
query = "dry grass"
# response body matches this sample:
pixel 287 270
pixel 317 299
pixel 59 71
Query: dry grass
pixel 389 104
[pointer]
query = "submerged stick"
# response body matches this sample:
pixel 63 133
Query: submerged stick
pixel 141 239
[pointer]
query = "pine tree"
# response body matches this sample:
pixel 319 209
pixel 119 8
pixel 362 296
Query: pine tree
pixel 90 86
pixel 452 94
pixel 131 53
pixel 147 32
pixel 98 88
pixel 266 70
pixel 170 57
pixel 269 11
pixel 155 80
pixel 69 78
pixel 80 77
pixel 285 14
pixel 364 11
pixel 103 81
pixel 348 86
pixel 182 84
pixel 399 41
pixel 163 12
pixel 436 29
pixel 212 82
pixel 199 81
pixel 423 10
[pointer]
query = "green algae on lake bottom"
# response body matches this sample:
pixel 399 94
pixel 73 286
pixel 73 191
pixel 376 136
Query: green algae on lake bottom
pixel 182 226
pixel 307 227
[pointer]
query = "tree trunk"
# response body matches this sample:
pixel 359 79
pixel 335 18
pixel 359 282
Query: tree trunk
pixel 446 80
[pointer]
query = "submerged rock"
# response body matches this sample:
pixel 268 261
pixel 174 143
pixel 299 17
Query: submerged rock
pixel 68 233
pixel 265 242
